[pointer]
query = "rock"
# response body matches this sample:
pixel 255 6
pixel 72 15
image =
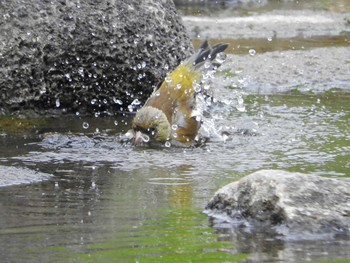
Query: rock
pixel 86 56
pixel 293 205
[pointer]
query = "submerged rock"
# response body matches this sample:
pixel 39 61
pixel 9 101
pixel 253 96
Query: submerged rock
pixel 86 56
pixel 293 205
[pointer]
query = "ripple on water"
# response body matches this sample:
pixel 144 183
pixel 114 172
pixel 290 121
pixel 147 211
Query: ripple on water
pixel 14 176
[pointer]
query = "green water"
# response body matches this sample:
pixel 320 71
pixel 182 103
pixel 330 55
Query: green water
pixel 111 202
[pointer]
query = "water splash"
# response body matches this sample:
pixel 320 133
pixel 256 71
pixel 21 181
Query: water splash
pixel 252 52
pixel 85 125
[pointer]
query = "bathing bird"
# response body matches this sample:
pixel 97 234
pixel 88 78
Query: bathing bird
pixel 170 115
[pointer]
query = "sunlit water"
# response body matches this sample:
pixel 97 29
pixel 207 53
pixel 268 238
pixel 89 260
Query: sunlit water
pixel 109 201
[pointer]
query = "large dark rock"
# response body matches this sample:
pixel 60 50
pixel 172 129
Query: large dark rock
pixel 292 205
pixel 85 56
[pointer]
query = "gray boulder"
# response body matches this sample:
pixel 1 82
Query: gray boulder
pixel 86 56
pixel 292 205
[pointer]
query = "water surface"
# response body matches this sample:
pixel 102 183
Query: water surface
pixel 109 201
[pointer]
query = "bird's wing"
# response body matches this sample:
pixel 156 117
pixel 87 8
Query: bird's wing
pixel 185 124
pixel 176 91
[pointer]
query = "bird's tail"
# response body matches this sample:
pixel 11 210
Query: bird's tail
pixel 207 54
pixel 189 75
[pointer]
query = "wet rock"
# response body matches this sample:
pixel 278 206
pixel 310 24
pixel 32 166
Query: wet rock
pixel 85 56
pixel 293 205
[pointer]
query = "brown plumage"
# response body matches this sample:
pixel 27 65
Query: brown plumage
pixel 169 114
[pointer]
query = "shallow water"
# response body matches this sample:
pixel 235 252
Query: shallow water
pixel 108 201
pixel 72 191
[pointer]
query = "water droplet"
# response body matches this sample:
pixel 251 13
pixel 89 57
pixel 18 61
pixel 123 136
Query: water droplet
pixel 56 185
pixel 178 86
pixel 207 64
pixel 115 123
pixel 93 101
pixel 93 185
pixel 43 90
pixel 175 135
pixel 240 107
pixel 198 118
pixel 318 101
pixel 197 87
pixel 67 75
pixel 167 144
pixel 117 101
pixel 81 72
pixel 145 137
pixel 166 67
pixel 135 102
pixel 85 125
pixel 241 80
pixel 269 39
pixel 240 100
pixel 221 57
pixel 97 114
pixel 168 79
pixel 252 52
pixel 58 103
pixel 174 127
pixel 130 108
pixel 206 86
pixel 143 64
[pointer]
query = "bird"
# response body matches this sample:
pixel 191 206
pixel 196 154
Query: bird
pixel 170 114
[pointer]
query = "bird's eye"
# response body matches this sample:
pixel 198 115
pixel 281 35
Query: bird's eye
pixel 152 131
pixel 149 131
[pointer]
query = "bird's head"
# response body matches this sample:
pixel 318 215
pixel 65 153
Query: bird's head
pixel 150 124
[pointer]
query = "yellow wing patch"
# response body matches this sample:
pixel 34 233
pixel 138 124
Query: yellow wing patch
pixel 182 80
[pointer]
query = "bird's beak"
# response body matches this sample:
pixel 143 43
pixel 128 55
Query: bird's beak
pixel 140 138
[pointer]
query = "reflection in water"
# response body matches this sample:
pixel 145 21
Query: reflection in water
pixel 108 201
pixel 109 198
